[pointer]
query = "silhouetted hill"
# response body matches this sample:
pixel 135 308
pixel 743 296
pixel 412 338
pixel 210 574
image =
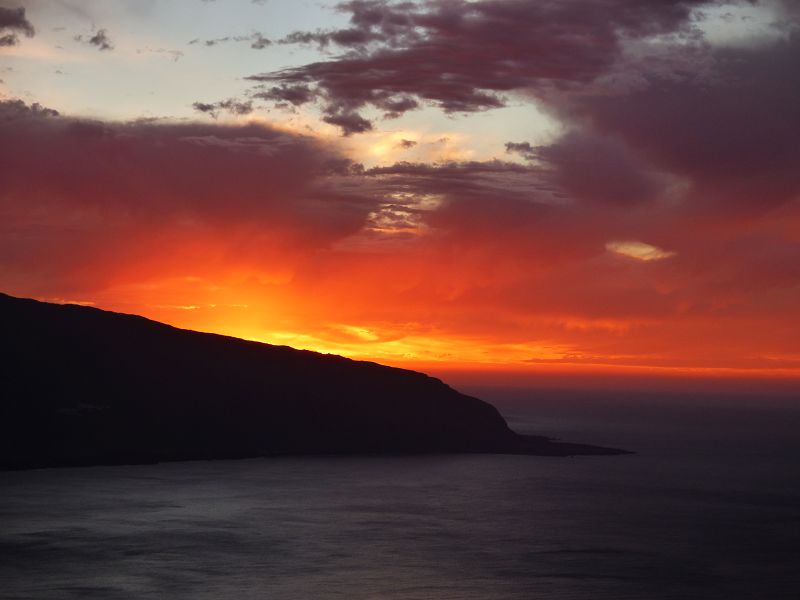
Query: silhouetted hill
pixel 81 386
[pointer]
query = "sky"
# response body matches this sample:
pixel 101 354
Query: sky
pixel 560 188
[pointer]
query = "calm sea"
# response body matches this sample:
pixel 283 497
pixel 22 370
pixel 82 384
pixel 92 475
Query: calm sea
pixel 709 508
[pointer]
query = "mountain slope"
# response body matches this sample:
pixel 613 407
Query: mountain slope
pixel 80 385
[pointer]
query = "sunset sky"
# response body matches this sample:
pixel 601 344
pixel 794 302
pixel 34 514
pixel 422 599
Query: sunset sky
pixel 500 186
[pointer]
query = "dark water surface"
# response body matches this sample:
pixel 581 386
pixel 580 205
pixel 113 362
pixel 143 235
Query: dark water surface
pixel 709 508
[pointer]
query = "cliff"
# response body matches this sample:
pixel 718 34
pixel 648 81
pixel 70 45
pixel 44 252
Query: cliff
pixel 83 386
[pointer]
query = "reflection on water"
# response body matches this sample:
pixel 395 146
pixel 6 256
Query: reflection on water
pixel 703 511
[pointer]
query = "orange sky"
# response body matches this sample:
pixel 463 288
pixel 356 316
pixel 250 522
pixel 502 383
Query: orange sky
pixel 434 305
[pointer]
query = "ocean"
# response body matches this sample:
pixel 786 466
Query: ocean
pixel 707 508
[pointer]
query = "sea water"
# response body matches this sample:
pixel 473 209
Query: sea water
pixel 708 508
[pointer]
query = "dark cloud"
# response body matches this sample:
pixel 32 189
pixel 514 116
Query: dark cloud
pixel 496 186
pixel 11 110
pixel 395 107
pixel 73 190
pixel 99 40
pixel 643 118
pixel 595 168
pixel 232 106
pixel 524 149
pixel 369 22
pixel 205 107
pixel 259 42
pixel 350 123
pixel 256 39
pixel 343 37
pixel 730 129
pixel 296 95
pixel 465 56
pixel 406 144
pixel 12 23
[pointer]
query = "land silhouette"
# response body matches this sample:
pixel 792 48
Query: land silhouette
pixel 83 386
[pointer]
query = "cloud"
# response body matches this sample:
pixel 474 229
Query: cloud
pixel 296 95
pixel 112 194
pixel 231 105
pixel 259 42
pixel 524 149
pixel 467 56
pixel 597 168
pixel 638 250
pixel 99 39
pixel 256 39
pixel 649 106
pixel 350 123
pixel 13 22
pixel 727 127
